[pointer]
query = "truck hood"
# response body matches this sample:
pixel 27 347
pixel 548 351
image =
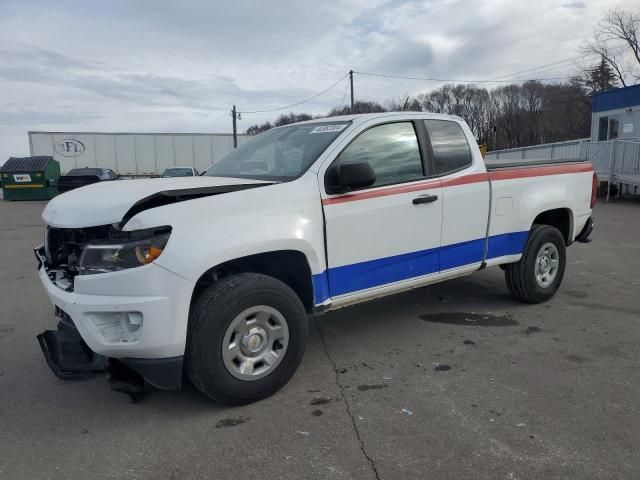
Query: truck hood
pixel 107 203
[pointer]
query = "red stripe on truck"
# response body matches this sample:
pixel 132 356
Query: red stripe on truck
pixel 465 180
pixel 383 192
pixel 507 174
pixel 541 171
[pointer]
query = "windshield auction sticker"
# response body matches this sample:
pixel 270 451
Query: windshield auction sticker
pixel 329 128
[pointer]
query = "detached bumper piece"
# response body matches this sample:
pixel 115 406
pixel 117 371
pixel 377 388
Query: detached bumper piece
pixel 70 358
pixel 583 236
pixel 130 375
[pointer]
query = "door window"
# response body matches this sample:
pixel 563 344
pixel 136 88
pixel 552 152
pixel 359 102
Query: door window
pixel 451 150
pixel 392 151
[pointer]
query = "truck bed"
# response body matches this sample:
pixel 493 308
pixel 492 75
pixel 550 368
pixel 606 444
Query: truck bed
pixel 493 165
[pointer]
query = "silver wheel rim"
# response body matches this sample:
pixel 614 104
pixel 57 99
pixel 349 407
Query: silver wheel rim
pixel 255 343
pixel 547 262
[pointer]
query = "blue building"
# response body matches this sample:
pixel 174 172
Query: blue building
pixel 616 114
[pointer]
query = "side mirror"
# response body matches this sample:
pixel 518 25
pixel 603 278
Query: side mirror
pixel 349 176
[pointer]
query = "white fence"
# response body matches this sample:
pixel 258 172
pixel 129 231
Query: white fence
pixel 546 151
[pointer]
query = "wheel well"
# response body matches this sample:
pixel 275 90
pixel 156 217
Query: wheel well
pixel 288 266
pixel 559 218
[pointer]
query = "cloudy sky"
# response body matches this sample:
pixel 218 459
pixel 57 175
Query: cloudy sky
pixel 168 66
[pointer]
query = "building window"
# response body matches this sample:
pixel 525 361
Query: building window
pixel 603 128
pixel 613 128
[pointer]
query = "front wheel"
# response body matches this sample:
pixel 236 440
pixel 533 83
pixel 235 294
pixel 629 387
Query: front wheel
pixel 538 274
pixel 247 336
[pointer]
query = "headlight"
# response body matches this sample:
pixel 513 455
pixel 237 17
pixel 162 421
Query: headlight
pixel 113 255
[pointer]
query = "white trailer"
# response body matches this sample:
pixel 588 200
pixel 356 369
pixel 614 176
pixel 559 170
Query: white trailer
pixel 133 154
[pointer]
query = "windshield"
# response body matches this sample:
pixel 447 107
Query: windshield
pixel 280 154
pixel 177 172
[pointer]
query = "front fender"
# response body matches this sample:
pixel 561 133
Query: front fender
pixel 213 230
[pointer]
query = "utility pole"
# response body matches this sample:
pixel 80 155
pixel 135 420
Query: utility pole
pixel 351 82
pixel 234 115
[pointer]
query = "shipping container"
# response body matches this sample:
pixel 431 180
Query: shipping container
pixel 133 154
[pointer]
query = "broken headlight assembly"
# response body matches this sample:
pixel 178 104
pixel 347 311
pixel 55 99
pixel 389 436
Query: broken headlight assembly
pixel 134 249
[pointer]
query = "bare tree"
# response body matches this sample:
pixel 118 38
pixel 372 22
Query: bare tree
pixel 404 103
pixel 526 114
pixel 467 101
pixel 284 119
pixel 360 106
pixel 616 36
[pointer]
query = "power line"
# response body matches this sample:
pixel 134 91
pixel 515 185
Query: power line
pixel 558 64
pixel 425 79
pixel 301 101
pixel 501 79
pixel 540 67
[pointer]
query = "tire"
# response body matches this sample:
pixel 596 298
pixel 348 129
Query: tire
pixel 524 281
pixel 237 298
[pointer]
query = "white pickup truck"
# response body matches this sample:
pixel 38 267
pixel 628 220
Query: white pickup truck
pixel 215 275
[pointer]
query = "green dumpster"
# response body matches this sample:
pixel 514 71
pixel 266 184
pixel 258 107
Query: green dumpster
pixel 30 178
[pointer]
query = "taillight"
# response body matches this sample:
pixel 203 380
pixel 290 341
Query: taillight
pixel 594 190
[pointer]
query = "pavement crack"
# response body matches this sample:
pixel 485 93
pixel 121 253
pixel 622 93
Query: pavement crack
pixel 372 464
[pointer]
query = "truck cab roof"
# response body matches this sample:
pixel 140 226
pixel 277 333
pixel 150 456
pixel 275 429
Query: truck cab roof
pixel 363 117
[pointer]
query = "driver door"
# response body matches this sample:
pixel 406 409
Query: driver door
pixel 388 233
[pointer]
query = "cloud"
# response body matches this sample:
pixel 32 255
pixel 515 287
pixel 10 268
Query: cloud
pixel 576 4
pixel 407 56
pixel 30 117
pixel 178 66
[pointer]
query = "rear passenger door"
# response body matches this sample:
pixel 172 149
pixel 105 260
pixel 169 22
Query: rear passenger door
pixel 388 232
pixel 465 192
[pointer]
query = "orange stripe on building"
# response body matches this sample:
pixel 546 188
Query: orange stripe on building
pixel 29 185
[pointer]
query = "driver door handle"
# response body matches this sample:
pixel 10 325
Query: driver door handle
pixel 425 199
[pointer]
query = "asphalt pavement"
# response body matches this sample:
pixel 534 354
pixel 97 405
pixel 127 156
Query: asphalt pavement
pixel 452 381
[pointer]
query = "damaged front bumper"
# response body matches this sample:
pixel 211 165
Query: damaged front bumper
pixel 129 324
pixel 69 358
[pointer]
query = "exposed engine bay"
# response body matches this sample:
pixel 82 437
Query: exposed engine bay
pixel 70 252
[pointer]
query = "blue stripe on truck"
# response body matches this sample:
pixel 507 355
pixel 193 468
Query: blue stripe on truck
pixel 382 271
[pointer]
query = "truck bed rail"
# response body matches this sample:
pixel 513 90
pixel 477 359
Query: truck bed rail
pixel 497 165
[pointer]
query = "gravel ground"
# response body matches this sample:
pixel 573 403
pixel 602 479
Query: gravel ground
pixel 451 381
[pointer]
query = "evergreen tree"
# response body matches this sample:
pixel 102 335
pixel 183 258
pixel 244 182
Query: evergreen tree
pixel 601 77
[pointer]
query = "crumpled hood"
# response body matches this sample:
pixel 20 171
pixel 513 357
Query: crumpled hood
pixel 106 203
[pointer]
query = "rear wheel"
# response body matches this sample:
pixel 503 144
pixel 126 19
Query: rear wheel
pixel 247 336
pixel 538 274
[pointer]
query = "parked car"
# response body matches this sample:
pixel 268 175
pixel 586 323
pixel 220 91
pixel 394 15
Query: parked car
pixel 180 172
pixel 215 276
pixel 80 177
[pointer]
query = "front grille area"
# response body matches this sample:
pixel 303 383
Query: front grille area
pixel 64 245
pixel 63 248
